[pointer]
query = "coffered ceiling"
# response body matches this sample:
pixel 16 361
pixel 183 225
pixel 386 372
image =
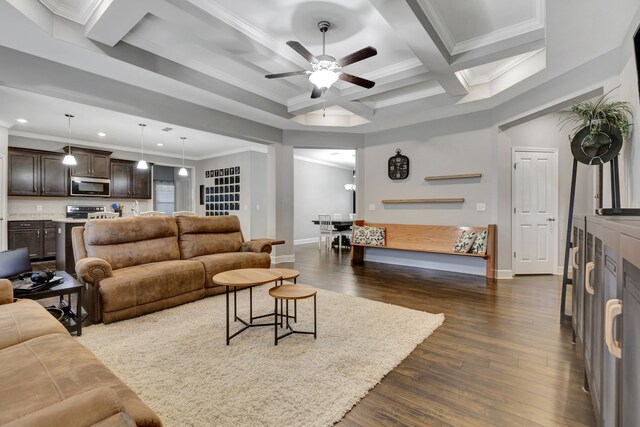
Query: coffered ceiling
pixel 191 59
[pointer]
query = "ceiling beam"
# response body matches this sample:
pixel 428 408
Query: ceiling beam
pixel 411 24
pixel 113 20
pixel 33 74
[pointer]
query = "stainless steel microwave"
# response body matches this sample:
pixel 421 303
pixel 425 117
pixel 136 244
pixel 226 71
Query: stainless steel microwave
pixel 90 187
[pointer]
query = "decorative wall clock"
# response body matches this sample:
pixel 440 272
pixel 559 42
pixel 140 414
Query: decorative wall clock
pixel 398 166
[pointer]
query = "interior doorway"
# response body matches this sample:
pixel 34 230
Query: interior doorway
pixel 324 183
pixel 534 210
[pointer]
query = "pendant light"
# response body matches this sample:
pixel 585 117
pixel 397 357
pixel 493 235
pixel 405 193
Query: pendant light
pixel 142 164
pixel 69 159
pixel 183 170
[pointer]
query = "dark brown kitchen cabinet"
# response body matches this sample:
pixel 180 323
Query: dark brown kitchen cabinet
pixel 24 173
pixel 37 173
pixel 39 237
pixel 28 235
pixel 121 179
pixel 53 175
pixel 129 182
pixel 141 183
pixel 91 164
pixel 49 240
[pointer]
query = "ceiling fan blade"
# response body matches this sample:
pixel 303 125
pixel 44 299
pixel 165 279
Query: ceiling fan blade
pixel 356 80
pixel 365 53
pixel 302 51
pixel 290 73
pixel 316 93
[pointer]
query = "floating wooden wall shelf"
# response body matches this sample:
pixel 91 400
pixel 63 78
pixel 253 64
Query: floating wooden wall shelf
pixel 462 176
pixel 455 200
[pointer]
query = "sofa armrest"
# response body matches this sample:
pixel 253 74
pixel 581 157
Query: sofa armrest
pixel 93 270
pixel 6 292
pixel 256 246
pixel 83 410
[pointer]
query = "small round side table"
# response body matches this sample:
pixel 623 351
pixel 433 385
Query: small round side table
pixel 293 292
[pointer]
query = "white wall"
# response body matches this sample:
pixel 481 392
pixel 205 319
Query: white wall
pixel 258 205
pixel 432 150
pixel 4 147
pixel 628 92
pixel 543 132
pixel 318 189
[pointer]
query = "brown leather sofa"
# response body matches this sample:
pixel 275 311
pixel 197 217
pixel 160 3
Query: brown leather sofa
pixel 133 266
pixel 49 379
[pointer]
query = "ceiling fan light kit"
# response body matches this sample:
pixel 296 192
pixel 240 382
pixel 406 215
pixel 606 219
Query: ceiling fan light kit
pixel 326 69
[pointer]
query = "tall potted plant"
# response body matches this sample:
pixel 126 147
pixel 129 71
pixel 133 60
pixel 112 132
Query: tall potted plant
pixel 600 128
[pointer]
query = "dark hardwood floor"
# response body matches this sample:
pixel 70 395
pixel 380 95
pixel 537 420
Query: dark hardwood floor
pixel 501 358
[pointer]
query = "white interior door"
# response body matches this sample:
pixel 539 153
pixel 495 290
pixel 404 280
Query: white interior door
pixel 535 210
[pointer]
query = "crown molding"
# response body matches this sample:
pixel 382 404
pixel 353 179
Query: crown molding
pixel 92 144
pixel 6 124
pixel 454 48
pixel 80 15
pixel 409 97
pixel 236 151
pixel 498 71
pixel 321 162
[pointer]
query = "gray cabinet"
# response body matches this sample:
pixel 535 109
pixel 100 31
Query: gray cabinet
pixel 577 288
pixel 611 318
pixel 629 331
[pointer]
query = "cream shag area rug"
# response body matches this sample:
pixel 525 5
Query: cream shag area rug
pixel 178 363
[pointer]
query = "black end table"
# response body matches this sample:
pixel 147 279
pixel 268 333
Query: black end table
pixel 68 287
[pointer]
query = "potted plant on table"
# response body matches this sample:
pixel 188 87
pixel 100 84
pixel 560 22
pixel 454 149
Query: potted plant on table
pixel 601 126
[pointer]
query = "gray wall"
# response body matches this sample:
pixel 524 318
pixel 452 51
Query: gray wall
pixel 318 189
pixel 258 206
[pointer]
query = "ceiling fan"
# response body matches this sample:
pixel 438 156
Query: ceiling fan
pixel 326 69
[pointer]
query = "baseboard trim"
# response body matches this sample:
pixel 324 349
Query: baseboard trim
pixel 282 258
pixel 504 274
pixel 305 241
pixel 560 270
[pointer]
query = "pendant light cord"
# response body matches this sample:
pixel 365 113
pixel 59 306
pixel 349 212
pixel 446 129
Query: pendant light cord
pixel 69 116
pixel 142 125
pixel 182 138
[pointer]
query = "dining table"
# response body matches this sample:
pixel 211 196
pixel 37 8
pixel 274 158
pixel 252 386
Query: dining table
pixel 338 225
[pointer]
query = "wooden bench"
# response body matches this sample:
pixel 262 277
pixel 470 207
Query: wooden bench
pixel 437 239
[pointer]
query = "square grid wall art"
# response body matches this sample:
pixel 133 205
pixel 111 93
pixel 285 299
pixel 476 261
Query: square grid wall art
pixel 222 191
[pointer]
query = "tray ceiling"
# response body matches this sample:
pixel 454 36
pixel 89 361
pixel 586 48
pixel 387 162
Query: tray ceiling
pixel 435 57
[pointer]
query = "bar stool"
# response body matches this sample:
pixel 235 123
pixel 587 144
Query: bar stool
pixel 293 292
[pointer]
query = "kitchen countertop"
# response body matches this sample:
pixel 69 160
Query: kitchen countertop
pixel 44 217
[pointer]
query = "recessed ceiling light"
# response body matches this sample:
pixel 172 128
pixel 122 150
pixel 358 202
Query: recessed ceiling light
pixel 102 134
pixel 23 121
pixel 159 144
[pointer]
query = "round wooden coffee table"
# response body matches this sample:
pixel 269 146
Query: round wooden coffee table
pixel 295 293
pixel 288 274
pixel 245 278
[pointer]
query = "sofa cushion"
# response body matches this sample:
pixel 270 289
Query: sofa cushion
pixel 52 368
pixel 132 241
pixel 217 263
pixel 26 319
pixel 143 284
pixel 208 235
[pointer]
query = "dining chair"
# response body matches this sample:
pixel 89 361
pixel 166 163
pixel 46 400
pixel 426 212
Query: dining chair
pixel 183 213
pixel 152 213
pixel 103 215
pixel 337 217
pixel 352 216
pixel 326 229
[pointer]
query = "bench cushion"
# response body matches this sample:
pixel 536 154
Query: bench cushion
pixel 464 242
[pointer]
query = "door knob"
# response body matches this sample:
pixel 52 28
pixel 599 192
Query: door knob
pixel 551 218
